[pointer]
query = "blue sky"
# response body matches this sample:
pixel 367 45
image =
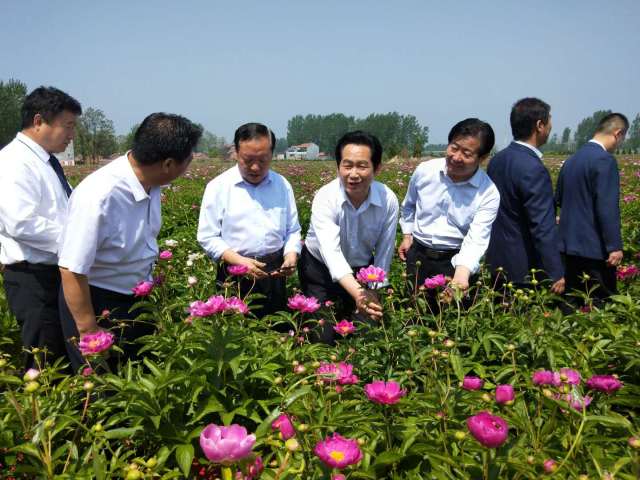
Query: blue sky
pixel 223 63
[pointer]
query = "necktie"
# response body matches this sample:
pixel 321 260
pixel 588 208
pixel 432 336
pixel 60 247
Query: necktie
pixel 55 164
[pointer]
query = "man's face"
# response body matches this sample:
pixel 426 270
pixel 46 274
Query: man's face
pixel 175 169
pixel 462 158
pixel 254 159
pixel 356 171
pixel 545 132
pixel 55 136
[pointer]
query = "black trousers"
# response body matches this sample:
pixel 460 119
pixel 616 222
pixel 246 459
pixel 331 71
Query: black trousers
pixel 118 305
pixel 432 262
pixel 602 277
pixel 32 295
pixel 274 289
pixel 316 281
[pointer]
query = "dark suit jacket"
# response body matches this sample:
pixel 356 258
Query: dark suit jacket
pixel 588 192
pixel 524 235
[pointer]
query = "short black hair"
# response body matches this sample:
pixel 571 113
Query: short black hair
pixel 525 114
pixel 161 136
pixel 251 131
pixel 474 127
pixel 611 122
pixel 49 102
pixel 358 137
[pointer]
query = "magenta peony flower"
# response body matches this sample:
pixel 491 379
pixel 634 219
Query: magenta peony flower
pixel 490 430
pixel 338 476
pixel 576 402
pixel 550 465
pixel 236 305
pixel 237 269
pixel 627 272
pixel 226 445
pixel 94 343
pixel 284 426
pixel 303 304
pixel 472 383
pixel 545 377
pixel 166 255
pixel 87 371
pixel 505 394
pixel 435 282
pixel 344 328
pixel 215 304
pixel 371 274
pixel 385 393
pixel 142 289
pixel 604 383
pixel 341 373
pixel 255 469
pixel 338 452
pixel 570 376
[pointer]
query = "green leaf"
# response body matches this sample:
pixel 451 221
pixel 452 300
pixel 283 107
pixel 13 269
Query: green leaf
pixel 387 458
pixel 184 457
pixel 121 432
pixel 616 421
pixel 454 361
pixel 10 379
pixel 292 397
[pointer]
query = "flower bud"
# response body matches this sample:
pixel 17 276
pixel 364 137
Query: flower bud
pixel 133 475
pixel 583 477
pixel 31 374
pixel 98 428
pixel 444 354
pixel 460 435
pixel 273 463
pixel 412 333
pixel 362 441
pixel 547 393
pixel 550 465
pixel 304 381
pixel 432 333
pixel 409 372
pixel 88 386
pixel 634 442
pixel 35 350
pixel 303 427
pixel 31 387
pixel 277 380
pixel 449 343
pixel 315 364
pixel 511 347
pixel 534 282
pixel 333 358
pixel 3 362
pixel 49 423
pixel 486 397
pixel 152 462
pixel 292 444
pixel 295 363
pixel 531 460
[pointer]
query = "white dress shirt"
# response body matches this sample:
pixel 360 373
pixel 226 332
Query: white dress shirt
pixel 343 237
pixel 530 147
pixel 252 220
pixel 33 204
pixel 593 140
pixel 111 229
pixel 447 215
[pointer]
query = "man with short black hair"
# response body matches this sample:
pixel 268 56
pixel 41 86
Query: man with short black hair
pixel 588 193
pixel 524 235
pixel 109 243
pixel 249 217
pixel 450 205
pixel 353 225
pixel 33 207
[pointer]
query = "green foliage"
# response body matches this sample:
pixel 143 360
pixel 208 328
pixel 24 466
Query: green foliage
pixel 12 94
pixel 587 127
pixel 95 136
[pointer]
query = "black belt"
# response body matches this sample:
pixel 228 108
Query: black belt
pixel 434 253
pixel 30 267
pixel 271 257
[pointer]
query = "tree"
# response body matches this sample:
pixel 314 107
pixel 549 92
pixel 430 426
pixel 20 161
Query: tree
pixel 95 136
pixel 125 142
pixel 587 127
pixel 210 144
pixel 12 94
pixel 566 135
pixel 281 146
pixel 634 134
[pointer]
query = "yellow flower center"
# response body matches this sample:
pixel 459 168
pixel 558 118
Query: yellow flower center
pixel 337 455
pixel 372 276
pixel 93 343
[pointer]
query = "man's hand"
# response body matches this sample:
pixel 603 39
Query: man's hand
pixel 407 241
pixel 254 266
pixel 461 278
pixel 288 266
pixel 615 258
pixel 369 304
pixel 558 286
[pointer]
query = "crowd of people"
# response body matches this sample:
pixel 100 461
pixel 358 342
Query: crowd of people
pixel 70 255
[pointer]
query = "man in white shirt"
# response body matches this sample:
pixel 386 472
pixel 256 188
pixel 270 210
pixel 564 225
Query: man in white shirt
pixel 249 217
pixel 449 207
pixel 109 242
pixel 353 225
pixel 33 205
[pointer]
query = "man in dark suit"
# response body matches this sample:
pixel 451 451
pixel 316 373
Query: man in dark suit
pixel 588 192
pixel 524 235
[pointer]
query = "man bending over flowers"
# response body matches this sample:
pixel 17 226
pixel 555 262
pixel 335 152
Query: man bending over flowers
pixel 108 245
pixel 353 224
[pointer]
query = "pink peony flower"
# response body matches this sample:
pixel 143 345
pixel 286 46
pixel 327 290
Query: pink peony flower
pixel 371 274
pixel 604 383
pixel 344 328
pixel 627 272
pixel 472 383
pixel 142 289
pixel 215 304
pixel 226 445
pixel 550 465
pixel 166 255
pixel 435 282
pixel 236 305
pixel 386 393
pixel 31 374
pixel 284 426
pixel 303 304
pixel 237 270
pixel 255 469
pixel 338 452
pixel 87 371
pixel 577 402
pixel 94 343
pixel 490 430
pixel 341 373
pixel 570 376
pixel 545 377
pixel 338 476
pixel 505 394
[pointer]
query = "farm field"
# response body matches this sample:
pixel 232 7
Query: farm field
pixel 508 389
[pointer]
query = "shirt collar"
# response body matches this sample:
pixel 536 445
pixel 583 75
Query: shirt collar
pixel 530 147
pixel 373 197
pixel 593 140
pixel 237 177
pixel 35 147
pixel 135 186
pixel 474 181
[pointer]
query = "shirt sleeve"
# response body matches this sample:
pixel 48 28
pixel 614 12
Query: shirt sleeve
pixel 20 196
pixel 83 232
pixel 327 229
pixel 607 202
pixel 475 242
pixel 293 235
pixel 385 246
pixel 210 223
pixel 408 210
